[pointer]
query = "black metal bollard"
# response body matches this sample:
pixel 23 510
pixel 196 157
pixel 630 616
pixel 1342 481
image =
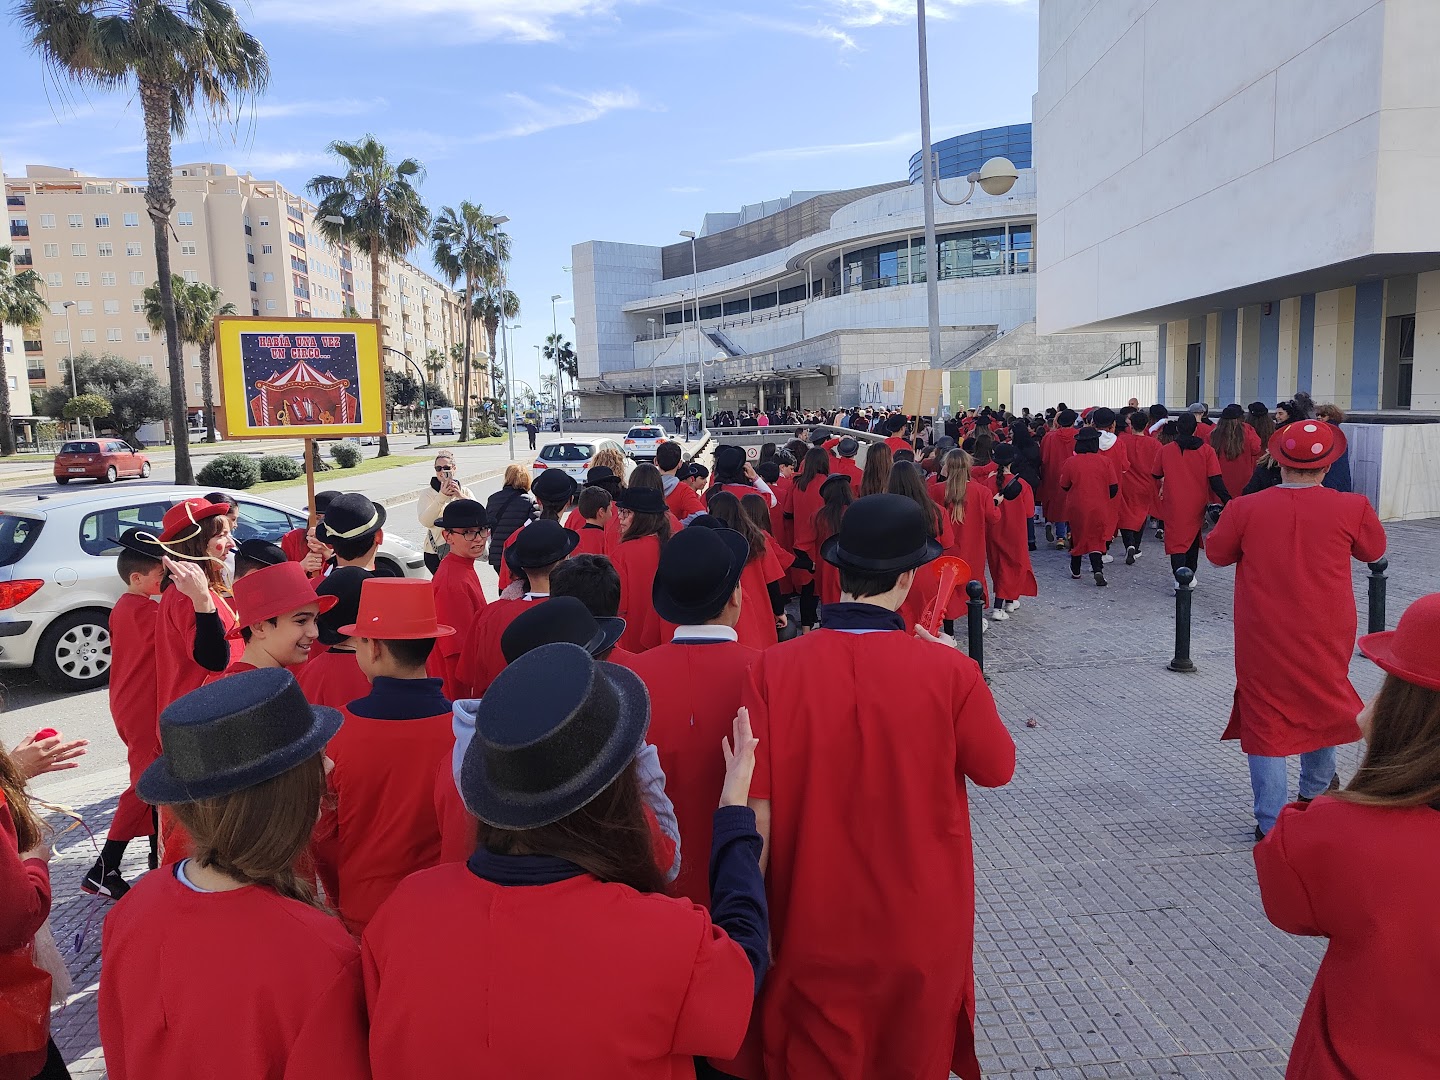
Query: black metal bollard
pixel 1183 597
pixel 1377 594
pixel 975 621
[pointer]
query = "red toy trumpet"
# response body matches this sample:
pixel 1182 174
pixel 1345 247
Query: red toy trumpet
pixel 951 572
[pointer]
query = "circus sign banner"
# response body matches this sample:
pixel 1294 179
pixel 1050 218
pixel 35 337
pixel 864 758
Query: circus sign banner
pixel 306 378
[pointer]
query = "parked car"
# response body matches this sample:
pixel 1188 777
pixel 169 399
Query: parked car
pixel 56 595
pixel 642 442
pixel 444 421
pixel 99 459
pixel 570 457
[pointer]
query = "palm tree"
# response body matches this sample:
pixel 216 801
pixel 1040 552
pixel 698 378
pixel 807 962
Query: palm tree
pixel 181 55
pixel 196 306
pixel 379 209
pixel 562 354
pixel 468 243
pixel 20 305
pixel 487 312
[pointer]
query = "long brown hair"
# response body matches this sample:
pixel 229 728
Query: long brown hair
pixel 984 444
pixel 879 460
pixel 957 481
pixel 195 548
pixel 816 463
pixel 838 498
pixel 29 830
pixel 608 838
pixel 1264 425
pixel 725 508
pixel 1402 758
pixel 1228 438
pixel 758 511
pixel 907 479
pixel 257 834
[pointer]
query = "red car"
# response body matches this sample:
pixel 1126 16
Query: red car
pixel 99 459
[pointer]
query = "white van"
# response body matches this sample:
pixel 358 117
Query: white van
pixel 444 421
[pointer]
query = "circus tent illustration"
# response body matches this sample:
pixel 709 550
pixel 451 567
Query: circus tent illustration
pixel 303 395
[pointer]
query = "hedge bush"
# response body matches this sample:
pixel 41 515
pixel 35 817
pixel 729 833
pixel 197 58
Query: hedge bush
pixel 280 467
pixel 236 471
pixel 346 455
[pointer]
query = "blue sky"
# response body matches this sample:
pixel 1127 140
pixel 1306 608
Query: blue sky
pixel 580 119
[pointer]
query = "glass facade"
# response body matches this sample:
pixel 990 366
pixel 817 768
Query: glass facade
pixel 964 154
pixel 987 252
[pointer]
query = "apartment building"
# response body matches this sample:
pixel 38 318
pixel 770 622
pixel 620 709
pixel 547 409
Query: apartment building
pixel 91 241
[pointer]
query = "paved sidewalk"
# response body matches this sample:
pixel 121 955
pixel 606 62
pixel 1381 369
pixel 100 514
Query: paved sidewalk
pixel 1119 930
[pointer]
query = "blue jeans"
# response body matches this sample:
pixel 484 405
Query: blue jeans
pixel 1267 779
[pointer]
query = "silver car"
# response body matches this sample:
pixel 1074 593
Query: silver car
pixel 58 580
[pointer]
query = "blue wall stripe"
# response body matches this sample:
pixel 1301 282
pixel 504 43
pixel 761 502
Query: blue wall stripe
pixel 1369 320
pixel 977 390
pixel 1225 386
pixel 1305 360
pixel 1269 368
pixel 1160 373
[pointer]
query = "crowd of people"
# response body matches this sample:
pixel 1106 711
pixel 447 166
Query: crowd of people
pixel 647 813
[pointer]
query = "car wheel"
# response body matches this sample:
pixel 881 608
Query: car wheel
pixel 389 568
pixel 74 652
pixel 62 479
pixel 145 470
pixel 111 475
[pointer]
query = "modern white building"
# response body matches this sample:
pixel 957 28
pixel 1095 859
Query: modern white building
pixel 818 299
pixel 1256 180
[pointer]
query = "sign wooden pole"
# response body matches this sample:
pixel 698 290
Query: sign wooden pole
pixel 310 482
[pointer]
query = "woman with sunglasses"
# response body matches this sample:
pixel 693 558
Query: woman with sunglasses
pixel 444 489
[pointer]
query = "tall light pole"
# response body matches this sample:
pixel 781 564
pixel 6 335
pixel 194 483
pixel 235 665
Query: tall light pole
pixel 74 388
pixel 409 359
pixel 559 375
pixel 699 348
pixel 504 349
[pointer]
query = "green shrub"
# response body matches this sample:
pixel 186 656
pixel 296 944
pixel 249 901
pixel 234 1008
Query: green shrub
pixel 346 455
pixel 485 428
pixel 236 471
pixel 280 467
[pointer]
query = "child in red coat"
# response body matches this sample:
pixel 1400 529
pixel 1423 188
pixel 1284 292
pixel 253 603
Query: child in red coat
pixel 1091 487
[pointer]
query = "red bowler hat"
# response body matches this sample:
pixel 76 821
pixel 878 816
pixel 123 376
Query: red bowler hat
pixel 1307 444
pixel 393 609
pixel 1408 652
pixel 182 521
pixel 273 591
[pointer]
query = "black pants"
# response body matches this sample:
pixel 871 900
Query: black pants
pixel 809 605
pixel 1096 565
pixel 705 1071
pixel 55 1065
pixel 432 561
pixel 531 435
pixel 1132 537
pixel 1191 558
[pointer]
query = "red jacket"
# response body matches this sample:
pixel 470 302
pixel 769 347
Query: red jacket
pixel 636 562
pixel 132 704
pixel 1185 492
pixel 333 678
pixel 1092 487
pixel 481 658
pixel 466 977
pixel 268 987
pixel 807 503
pixel 1056 448
pixel 757 620
pixel 1292 689
pixel 1139 490
pixel 592 539
pixel 459 600
pixel 1357 875
pixel 1007 545
pixel 684 502
pixel 176 672
pixel 24 905
pixel 845 466
pixel 970 540
pixel 1236 471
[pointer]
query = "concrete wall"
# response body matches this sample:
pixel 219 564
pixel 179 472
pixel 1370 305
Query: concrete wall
pixel 1060 357
pixel 607 276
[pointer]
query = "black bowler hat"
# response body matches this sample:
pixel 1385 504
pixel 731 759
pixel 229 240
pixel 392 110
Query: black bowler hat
pixel 849 446
pixel 602 476
pixel 882 534
pixel 141 542
pixel 896 424
pixel 729 459
pixel 819 438
pixel 1003 454
pixel 836 479
pixel 344 584
pixel 698 570
pixel 463 514
pixel 350 516
pixel 1102 417
pixel 561 618
pixel 689 471
pixel 1088 441
pixel 261 551
pixel 553 486
pixel 642 501
pixel 541 543
pixel 1231 412
pixel 323 499
pixel 552 732
pixel 233 734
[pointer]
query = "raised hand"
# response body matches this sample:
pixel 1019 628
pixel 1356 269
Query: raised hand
pixel 35 757
pixel 739 761
pixel 191 581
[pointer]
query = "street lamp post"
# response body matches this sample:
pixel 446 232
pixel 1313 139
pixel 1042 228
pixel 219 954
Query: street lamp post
pixel 74 388
pixel 559 375
pixel 699 357
pixel 504 348
pixel 407 356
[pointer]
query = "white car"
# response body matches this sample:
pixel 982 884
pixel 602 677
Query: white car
pixel 642 442
pixel 58 580
pixel 573 458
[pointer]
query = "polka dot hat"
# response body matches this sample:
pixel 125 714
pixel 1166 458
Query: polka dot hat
pixel 1307 444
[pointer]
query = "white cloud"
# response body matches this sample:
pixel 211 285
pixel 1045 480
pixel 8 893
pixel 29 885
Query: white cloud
pixel 884 12
pixel 530 117
pixel 269 161
pixel 801 153
pixel 324 107
pixel 685 190
pixel 506 20
pixel 820 31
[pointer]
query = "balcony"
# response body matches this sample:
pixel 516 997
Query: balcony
pixel 34 345
pixel 24 258
pixel 299 265
pixel 20 230
pixel 298 239
pixel 301 292
pixel 250 257
pixel 254 287
pixel 14 200
pixel 345 263
pixel 294 213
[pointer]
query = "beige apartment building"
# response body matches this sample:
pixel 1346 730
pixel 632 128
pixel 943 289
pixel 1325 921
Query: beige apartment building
pixel 90 239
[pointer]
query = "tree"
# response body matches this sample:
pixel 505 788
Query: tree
pixel 436 396
pixel 20 305
pixel 468 243
pixel 402 390
pixel 87 407
pixel 181 55
pixel 51 401
pixel 135 395
pixel 378 208
pixel 196 306
pixel 487 309
pixel 561 353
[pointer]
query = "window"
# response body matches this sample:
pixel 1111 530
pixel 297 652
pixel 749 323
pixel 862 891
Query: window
pixel 85 307
pixel 265 522
pixel 87 335
pixel 105 250
pixel 52 251
pixel 62 337
pixel 267 249
pixel 269 305
pixel 185 218
pixel 98 529
pixel 102 221
pixel 137 306
pixel 147 359
pixel 137 277
pixel 142 335
pixel 132 249
pixel 132 221
pixel 264 221
pixel 197 389
pixel 57 308
pixel 82 279
pixel 187 249
pixel 112 307
pixel 191 276
pixel 269 277
pixel 54 280
pixel 107 279
pixel 77 221
pixel 113 334
pixel 47 221
pixel 77 251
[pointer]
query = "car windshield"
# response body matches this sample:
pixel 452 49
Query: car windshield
pixel 645 433
pixel 566 452
pixel 80 448
pixel 18 534
pixel 264 522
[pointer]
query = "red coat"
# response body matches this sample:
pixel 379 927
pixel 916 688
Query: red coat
pixel 333 678
pixel 807 503
pixel 846 467
pixel 459 600
pixel 1364 877
pixel 1093 512
pixel 636 562
pixel 971 538
pixel 269 987
pixel 482 658
pixel 24 905
pixel 757 621
pixel 459 830
pixel 1185 492
pixel 1236 472
pixel 684 502
pixel 592 540
pixel 827 575
pixel 694 695
pixel 575 978
pixel 1008 546
pixel 1139 490
pixel 132 705
pixel 176 672
pixel 1056 448
pixel 871 881
pixel 923 592
pixel 1291 548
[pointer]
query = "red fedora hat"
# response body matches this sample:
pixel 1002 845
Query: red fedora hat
pixel 396 609
pixel 1408 652
pixel 1307 444
pixel 273 591
pixel 182 521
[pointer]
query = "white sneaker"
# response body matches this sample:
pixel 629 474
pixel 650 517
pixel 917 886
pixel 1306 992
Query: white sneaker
pixel 984 626
pixel 1107 557
pixel 1139 554
pixel 999 615
pixel 1012 605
